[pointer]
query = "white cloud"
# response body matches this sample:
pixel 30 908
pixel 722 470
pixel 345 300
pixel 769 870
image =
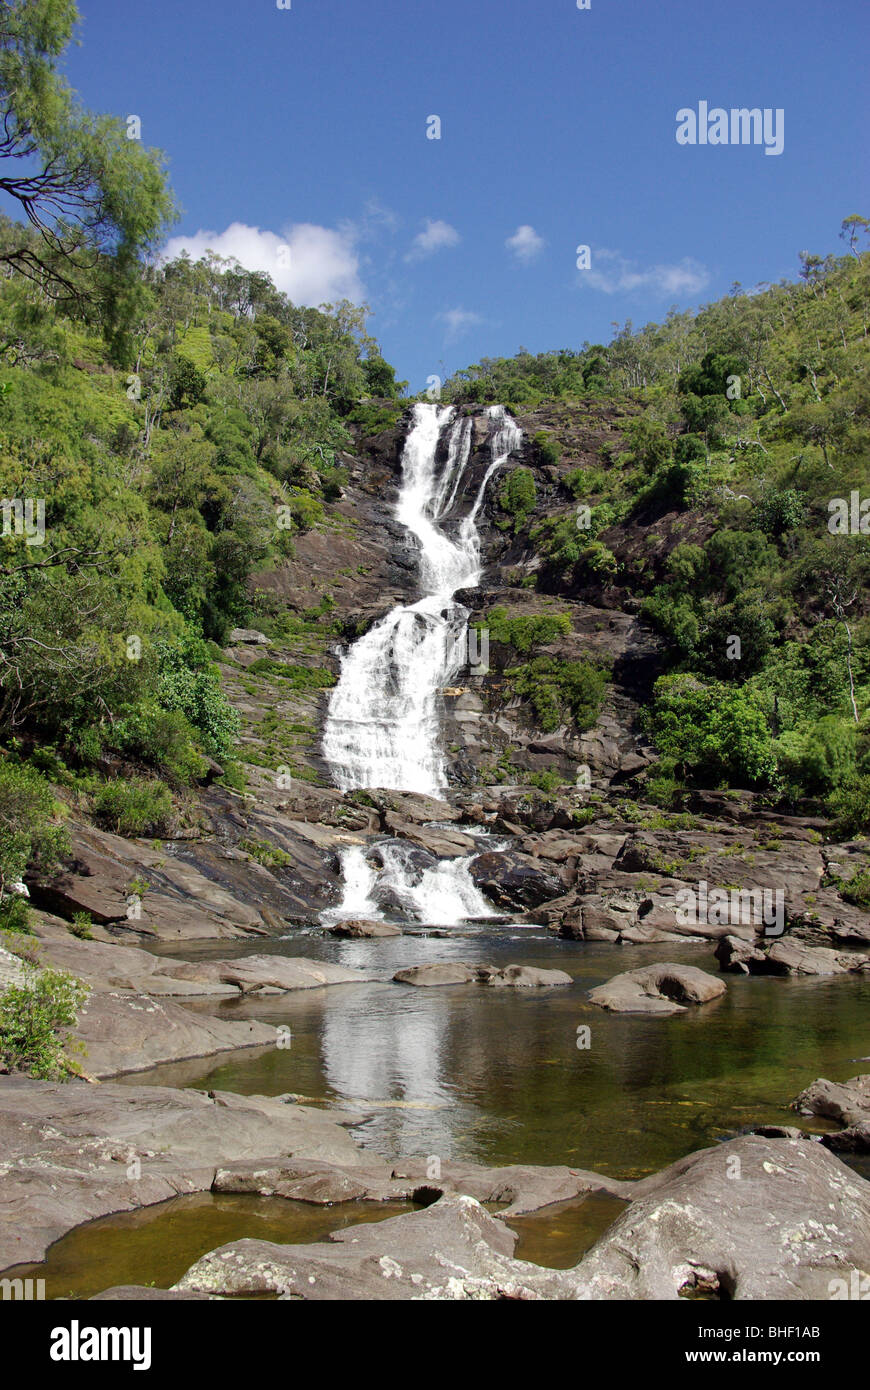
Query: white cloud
pixel 525 243
pixel 436 236
pixel 312 265
pixel 458 321
pixel 621 275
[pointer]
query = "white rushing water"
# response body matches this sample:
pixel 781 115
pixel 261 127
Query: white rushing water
pixel 382 725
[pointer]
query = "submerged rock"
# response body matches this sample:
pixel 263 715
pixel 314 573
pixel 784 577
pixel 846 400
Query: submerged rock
pixel 657 989
pixel 458 973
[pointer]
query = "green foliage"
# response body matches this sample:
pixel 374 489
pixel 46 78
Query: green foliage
pixel 298 677
pixel 189 682
pixel 15 914
pixel 525 632
pixel 712 734
pixel 548 449
pixel 270 856
pixel 518 495
pixel 134 806
pixel 82 926
pixel 34 1019
pixel 559 691
pixel 30 837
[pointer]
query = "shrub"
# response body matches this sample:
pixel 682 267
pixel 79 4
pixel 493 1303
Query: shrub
pixel 525 632
pixel 15 914
pixel 518 495
pixel 558 690
pixel 29 838
pixel 137 806
pixel 189 682
pixel 548 449
pixel 34 1018
pixel 163 738
pixel 713 733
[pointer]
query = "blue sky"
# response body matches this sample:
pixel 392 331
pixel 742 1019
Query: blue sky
pixel 304 130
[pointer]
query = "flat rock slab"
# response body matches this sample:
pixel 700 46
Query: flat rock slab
pixel 66 1151
pixel 270 974
pixel 458 973
pixel 124 1032
pixel 657 990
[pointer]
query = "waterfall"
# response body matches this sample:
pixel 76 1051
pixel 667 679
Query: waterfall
pixel 382 722
pixel 382 726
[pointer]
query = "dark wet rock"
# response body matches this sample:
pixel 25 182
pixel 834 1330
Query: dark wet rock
pixel 71 1153
pixel 513 880
pixel 657 989
pixel 363 929
pixel 781 1222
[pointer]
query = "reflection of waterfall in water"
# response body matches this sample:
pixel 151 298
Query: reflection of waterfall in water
pixel 382 727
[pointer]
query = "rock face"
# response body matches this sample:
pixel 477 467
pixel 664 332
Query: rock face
pixel 657 989
pixel 456 973
pixel 782 1222
pixel 68 1152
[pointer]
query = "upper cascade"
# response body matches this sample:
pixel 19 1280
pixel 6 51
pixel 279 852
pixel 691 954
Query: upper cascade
pixel 382 725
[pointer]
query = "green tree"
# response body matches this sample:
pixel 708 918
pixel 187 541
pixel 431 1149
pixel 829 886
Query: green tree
pixel 93 199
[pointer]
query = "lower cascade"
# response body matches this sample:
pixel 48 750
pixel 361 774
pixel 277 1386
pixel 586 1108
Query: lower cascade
pixel 382 725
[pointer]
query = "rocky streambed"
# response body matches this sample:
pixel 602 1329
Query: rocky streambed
pixel 412 1075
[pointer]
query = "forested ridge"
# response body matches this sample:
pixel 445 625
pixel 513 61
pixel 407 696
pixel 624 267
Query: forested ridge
pixel 169 430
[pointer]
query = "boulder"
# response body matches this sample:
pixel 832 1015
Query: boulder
pixel 657 989
pixel 521 977
pixel 751 1219
pixel 787 957
pixel 437 973
pixel 513 880
pixel 364 928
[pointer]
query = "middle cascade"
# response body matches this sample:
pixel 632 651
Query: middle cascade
pixel 382 722
pixel 382 726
